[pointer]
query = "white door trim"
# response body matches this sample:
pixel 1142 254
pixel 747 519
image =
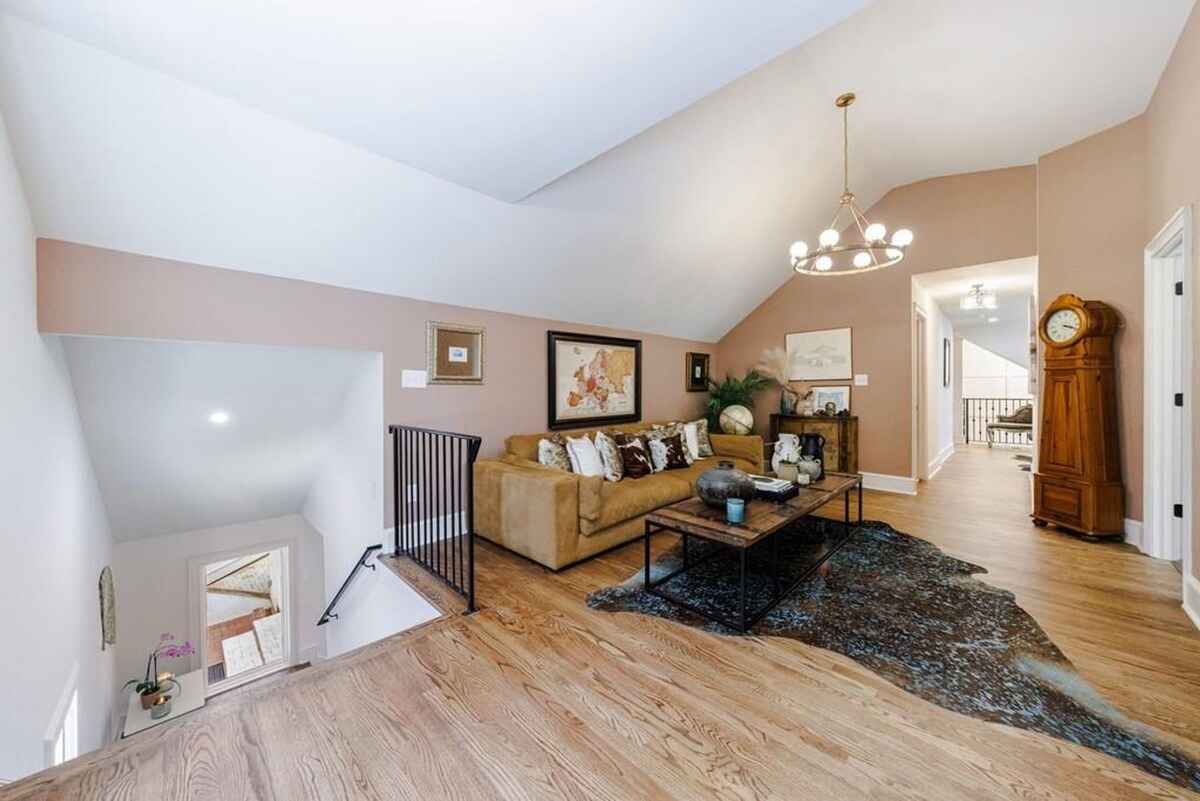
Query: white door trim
pixel 198 610
pixel 1162 536
pixel 919 319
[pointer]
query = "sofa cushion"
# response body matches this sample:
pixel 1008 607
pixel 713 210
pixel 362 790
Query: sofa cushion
pixel 626 499
pixel 635 461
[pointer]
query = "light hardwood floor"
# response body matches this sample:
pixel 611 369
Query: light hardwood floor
pixel 538 697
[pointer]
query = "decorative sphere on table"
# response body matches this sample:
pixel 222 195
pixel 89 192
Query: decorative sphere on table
pixel 736 419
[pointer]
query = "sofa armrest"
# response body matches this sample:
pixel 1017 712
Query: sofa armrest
pixel 528 508
pixel 748 447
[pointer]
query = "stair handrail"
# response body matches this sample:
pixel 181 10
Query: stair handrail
pixel 329 614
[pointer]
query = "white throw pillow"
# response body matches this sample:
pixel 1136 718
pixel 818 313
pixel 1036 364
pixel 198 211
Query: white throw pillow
pixel 658 455
pixel 610 457
pixel 691 441
pixel 585 459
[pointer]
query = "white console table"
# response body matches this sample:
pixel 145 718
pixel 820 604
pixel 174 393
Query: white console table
pixel 188 697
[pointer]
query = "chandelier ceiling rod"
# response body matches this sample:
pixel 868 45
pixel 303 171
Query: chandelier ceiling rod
pixel 832 258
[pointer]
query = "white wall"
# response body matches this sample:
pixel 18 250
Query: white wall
pixel 939 422
pixel 346 505
pixel 1008 337
pixel 54 533
pixel 151 577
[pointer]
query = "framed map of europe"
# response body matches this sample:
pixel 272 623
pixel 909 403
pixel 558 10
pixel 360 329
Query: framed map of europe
pixel 593 380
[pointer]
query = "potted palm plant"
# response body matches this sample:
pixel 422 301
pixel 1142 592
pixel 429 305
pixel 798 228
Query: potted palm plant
pixel 734 392
pixel 151 686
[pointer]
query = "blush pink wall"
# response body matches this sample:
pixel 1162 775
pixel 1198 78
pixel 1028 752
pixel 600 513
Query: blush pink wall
pixel 959 220
pixel 1091 232
pixel 88 290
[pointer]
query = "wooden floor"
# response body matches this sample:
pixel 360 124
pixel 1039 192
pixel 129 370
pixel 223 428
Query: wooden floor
pixel 538 697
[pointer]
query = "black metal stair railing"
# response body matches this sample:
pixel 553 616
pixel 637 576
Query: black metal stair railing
pixel 433 503
pixel 979 412
pixel 362 562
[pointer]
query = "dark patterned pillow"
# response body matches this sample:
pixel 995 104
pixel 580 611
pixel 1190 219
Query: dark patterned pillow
pixel 668 453
pixel 634 457
pixel 663 432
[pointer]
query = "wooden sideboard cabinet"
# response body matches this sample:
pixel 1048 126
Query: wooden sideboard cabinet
pixel 841 437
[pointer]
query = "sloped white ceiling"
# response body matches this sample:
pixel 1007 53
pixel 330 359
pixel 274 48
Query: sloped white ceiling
pixel 163 468
pixel 681 230
pixel 499 97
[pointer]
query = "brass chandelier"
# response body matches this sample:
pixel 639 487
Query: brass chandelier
pixel 870 251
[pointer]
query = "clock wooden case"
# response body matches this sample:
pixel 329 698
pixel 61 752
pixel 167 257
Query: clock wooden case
pixel 1078 482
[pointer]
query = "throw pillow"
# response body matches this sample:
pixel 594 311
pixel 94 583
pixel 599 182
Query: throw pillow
pixel 634 459
pixel 584 456
pixel 703 444
pixel 667 454
pixel 672 430
pixel 552 452
pixel 610 457
pixel 691 440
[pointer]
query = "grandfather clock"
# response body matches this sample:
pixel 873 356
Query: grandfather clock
pixel 1078 482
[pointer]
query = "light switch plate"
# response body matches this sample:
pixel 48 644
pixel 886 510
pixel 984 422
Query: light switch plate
pixel 861 379
pixel 414 379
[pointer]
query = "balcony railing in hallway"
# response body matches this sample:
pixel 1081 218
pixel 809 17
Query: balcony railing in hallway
pixel 979 413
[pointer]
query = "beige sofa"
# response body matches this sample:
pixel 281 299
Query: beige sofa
pixel 558 518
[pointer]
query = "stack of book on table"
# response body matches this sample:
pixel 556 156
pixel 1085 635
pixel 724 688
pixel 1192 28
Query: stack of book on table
pixel 774 489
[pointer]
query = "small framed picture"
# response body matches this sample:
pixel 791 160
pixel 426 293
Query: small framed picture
pixel 455 353
pixel 695 367
pixel 831 400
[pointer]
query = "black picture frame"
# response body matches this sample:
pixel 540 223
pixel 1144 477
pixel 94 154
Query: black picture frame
pixel 945 362
pixel 553 340
pixel 693 382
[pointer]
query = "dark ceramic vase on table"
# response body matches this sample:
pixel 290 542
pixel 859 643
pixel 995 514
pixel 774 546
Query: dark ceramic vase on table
pixel 722 482
pixel 812 447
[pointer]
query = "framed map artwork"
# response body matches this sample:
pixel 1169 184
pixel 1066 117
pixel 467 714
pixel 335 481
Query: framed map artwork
pixel 593 380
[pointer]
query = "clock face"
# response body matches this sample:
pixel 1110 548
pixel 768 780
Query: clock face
pixel 1063 325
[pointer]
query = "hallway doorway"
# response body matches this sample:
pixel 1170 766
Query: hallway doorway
pixel 975 375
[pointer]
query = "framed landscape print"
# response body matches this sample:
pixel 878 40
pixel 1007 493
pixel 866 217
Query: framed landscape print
pixel 838 396
pixel 695 367
pixel 593 380
pixel 819 355
pixel 454 353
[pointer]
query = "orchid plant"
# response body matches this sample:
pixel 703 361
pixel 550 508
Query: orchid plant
pixel 168 648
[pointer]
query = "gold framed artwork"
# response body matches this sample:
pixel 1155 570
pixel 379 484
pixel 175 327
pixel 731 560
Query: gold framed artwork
pixel 593 380
pixel 454 353
pixel 695 367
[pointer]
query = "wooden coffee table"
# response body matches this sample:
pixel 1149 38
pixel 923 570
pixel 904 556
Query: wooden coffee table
pixel 764 521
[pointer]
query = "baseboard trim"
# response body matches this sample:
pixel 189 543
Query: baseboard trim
pixel 933 467
pixel 1133 533
pixel 902 485
pixel 1191 599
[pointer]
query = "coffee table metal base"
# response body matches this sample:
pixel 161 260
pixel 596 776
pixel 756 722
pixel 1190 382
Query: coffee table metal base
pixel 745 619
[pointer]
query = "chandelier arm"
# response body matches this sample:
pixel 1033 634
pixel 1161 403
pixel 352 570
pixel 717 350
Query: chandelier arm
pixel 863 222
pixel 837 216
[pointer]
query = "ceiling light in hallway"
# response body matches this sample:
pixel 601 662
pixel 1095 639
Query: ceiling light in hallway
pixel 219 417
pixel 978 298
pixel 871 250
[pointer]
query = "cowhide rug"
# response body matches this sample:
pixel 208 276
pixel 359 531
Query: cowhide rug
pixel 899 606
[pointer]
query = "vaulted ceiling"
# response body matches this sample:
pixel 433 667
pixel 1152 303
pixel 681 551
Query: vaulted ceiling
pixel 580 166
